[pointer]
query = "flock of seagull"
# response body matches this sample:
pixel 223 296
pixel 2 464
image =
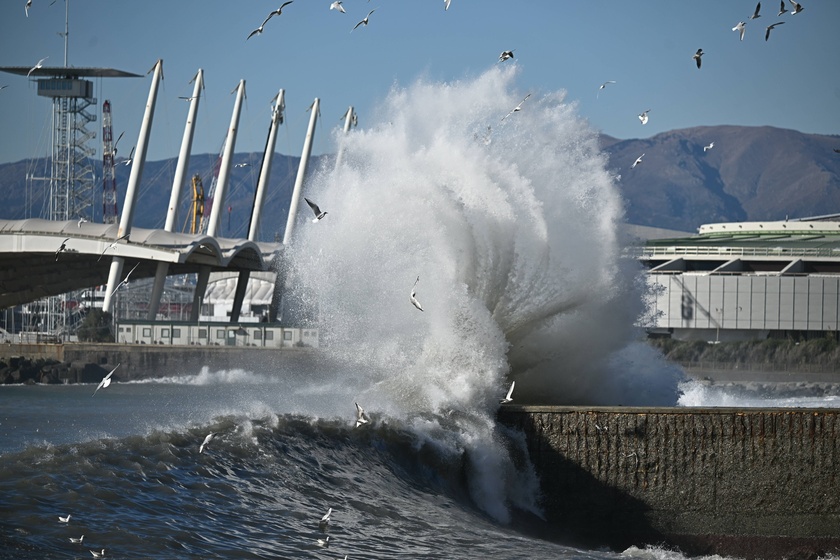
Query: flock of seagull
pixel 741 27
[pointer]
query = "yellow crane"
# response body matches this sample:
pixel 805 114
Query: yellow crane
pixel 196 214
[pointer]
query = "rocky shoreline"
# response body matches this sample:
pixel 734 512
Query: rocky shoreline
pixel 21 370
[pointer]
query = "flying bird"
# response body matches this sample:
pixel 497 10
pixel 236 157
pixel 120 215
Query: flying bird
pixel 130 157
pixel 644 117
pixel 316 210
pixel 638 161
pixel 709 147
pixel 40 64
pixel 414 301
pixel 769 27
pixel 125 280
pixel 244 164
pixel 742 27
pixel 276 12
pixel 505 55
pixel 207 439
pixel 112 245
pixel 755 13
pixel 446 4
pixel 509 397
pixel 697 56
pixel 77 541
pixel 27 6
pixel 837 150
pixel 61 248
pixel 106 381
pixel 82 220
pixel 517 108
pixel 602 86
pixel 256 31
pixel 4 86
pixel 337 6
pixel 64 519
pixel 797 7
pixel 364 21
pixel 325 542
pixel 361 416
pixel 782 8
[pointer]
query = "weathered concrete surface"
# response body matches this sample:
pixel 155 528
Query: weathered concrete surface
pixel 149 361
pixel 753 483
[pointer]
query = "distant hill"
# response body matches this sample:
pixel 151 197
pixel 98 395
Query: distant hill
pixel 751 173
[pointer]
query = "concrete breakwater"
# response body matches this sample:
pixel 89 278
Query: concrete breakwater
pixel 88 362
pixel 753 483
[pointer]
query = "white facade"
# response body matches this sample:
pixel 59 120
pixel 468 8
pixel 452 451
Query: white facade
pixel 215 334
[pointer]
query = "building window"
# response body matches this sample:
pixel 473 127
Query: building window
pixel 269 335
pixel 220 334
pixel 257 334
pixel 287 335
pixel 176 333
pixel 164 333
pixel 202 333
pixel 147 331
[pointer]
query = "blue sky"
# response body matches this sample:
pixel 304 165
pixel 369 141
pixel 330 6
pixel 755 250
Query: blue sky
pixel 791 81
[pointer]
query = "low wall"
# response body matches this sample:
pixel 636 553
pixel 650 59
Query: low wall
pixel 753 483
pixel 141 361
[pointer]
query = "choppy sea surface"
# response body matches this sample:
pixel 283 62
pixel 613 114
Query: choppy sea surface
pixel 506 225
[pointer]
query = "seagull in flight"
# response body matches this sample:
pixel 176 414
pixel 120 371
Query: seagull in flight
pixel 106 381
pixel 130 158
pixel 797 7
pixel 4 86
pixel 243 164
pixel 61 248
pixel 709 147
pixel 509 397
pixel 112 245
pixel 505 55
pixel 276 12
pixel 337 6
pixel 27 6
pixel 769 27
pixel 446 4
pixel 604 85
pixel 77 541
pixel 638 161
pixel 644 117
pixel 742 27
pixel 326 519
pixel 697 56
pixel 517 108
pixel 755 13
pixel 125 280
pixel 82 220
pixel 319 215
pixel 40 64
pixel 361 416
pixel 414 301
pixel 782 9
pixel 207 439
pixel 256 31
pixel 64 519
pixel 364 21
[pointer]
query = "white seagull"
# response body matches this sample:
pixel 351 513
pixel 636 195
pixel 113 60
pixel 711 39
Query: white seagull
pixel 361 416
pixel 82 220
pixel 638 161
pixel 112 245
pixel 602 86
pixel 413 297
pixel 27 6
pixel 796 7
pixel 40 64
pixel 364 21
pixel 125 280
pixel 742 27
pixel 130 157
pixel 326 519
pixel 337 6
pixel 64 519
pixel 517 108
pixel 256 31
pixel 325 542
pixel 207 439
pixel 769 27
pixel 61 248
pixel 505 55
pixel 509 397
pixel 755 13
pixel 644 117
pixel 697 56
pixel 244 164
pixel 98 554
pixel 77 541
pixel 782 9
pixel 276 12
pixel 709 147
pixel 317 211
pixel 446 4
pixel 106 381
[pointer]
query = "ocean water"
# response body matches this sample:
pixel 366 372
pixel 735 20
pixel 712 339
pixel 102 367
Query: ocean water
pixel 511 224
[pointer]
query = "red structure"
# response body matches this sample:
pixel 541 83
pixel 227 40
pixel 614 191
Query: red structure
pixel 109 179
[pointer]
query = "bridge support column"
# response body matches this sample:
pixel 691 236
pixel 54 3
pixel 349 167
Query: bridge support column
pixel 200 288
pixel 239 295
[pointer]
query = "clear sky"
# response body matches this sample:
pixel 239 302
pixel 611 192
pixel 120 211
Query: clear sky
pixel 791 81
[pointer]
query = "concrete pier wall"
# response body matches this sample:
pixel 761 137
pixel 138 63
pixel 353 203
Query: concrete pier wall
pixel 752 483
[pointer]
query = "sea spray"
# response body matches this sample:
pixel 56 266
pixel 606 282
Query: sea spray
pixel 511 222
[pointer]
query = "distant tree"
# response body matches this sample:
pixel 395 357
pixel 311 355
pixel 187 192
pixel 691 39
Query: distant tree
pixel 96 327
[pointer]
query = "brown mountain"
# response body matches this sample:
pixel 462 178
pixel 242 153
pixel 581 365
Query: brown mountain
pixel 751 173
